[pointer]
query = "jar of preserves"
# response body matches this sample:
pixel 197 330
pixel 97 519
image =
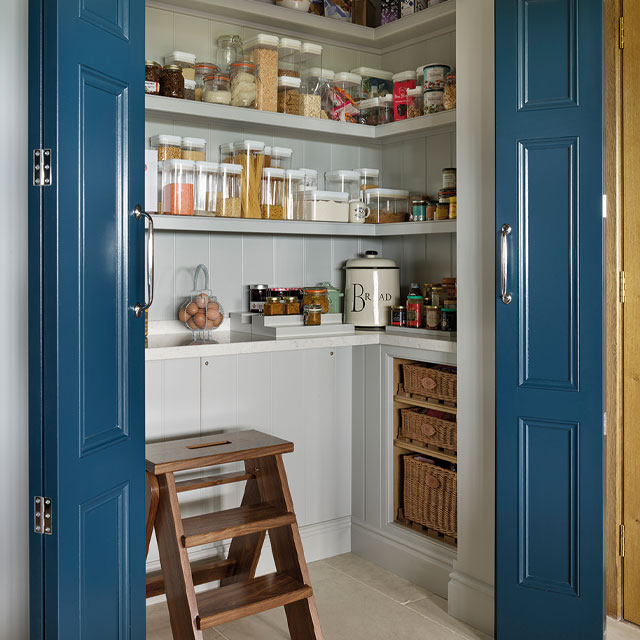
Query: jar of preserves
pixel 291 306
pixel 228 203
pixel 433 317
pixel 437 296
pixel 316 296
pixel 178 178
pixel 414 311
pixel 449 97
pixel 272 198
pixel 244 84
pixel 257 297
pixel 431 210
pixel 229 51
pixel 289 95
pixel 217 89
pixel 448 320
pixel 398 316
pixel 172 82
pixel 152 72
pixel 273 306
pixel 203 69
pixel 442 211
pixel 312 315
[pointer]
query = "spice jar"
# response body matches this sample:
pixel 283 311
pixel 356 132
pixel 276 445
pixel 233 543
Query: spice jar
pixel 244 87
pixel 386 109
pixel 189 89
pixel 449 98
pixel 369 112
pixel 258 294
pixel 418 209
pixel 312 315
pixel 228 195
pixel 316 296
pixel 293 194
pixel 203 69
pixel 414 311
pixel 433 100
pixel 289 95
pixel 249 154
pixel 431 210
pixel 186 62
pixel 416 102
pixel 217 89
pixel 291 306
pixel 289 57
pixel 152 71
pixel 193 149
pixel 272 199
pixel 229 51
pixel 448 320
pixel 273 306
pixel 178 178
pixel 172 82
pixel 280 157
pixel 168 147
pixel 433 317
pixel 206 188
pixel 398 316
pixel 263 51
pixel 402 82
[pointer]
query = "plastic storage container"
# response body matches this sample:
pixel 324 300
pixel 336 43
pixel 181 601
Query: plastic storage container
pixel 387 205
pixel 229 51
pixel 433 101
pixel 206 188
pixel 316 92
pixel 310 180
pixel 434 75
pixel 289 95
pixel 263 51
pixel 326 206
pixel 375 82
pixel 293 194
pixel 289 57
pixel 203 69
pixel 339 9
pixel 369 111
pixel 172 82
pixel 249 154
pixel 217 89
pixel 346 87
pixel 194 149
pixel 186 62
pixel 244 84
pixel 272 197
pixel 228 203
pixel 402 82
pixel 416 102
pixel 449 97
pixel 369 179
pixel 178 177
pixel 226 152
pixel 386 109
pixel 345 181
pixel 281 157
pixel 168 147
pixel 152 72
pixel 267 157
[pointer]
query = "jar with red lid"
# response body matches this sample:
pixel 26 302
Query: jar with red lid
pixel 398 316
pixel 203 69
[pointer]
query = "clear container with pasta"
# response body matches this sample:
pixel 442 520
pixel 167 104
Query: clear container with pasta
pixel 272 197
pixel 263 52
pixel 228 201
pixel 206 189
pixel 249 154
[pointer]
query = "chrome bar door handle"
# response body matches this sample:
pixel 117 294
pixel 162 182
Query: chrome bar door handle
pixel 504 263
pixel 139 309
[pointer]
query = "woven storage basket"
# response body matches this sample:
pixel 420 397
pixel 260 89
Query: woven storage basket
pixel 418 425
pixel 431 496
pixel 427 381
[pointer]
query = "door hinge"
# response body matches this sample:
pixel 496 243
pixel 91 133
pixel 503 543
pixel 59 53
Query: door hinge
pixel 622 287
pixel 42 168
pixel 42 520
pixel 621 30
pixel 622 541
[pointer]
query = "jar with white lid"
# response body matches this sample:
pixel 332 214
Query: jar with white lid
pixel 263 51
pixel 375 82
pixel 310 182
pixel 228 204
pixel 369 111
pixel 433 75
pixel 229 51
pixel 369 179
pixel 343 180
pixel 416 102
pixel 194 149
pixel 206 188
pixel 281 157
pixel 402 82
pixel 326 206
pixel 387 205
pixel 217 89
pixel 272 197
pixel 317 87
pixel 289 57
pixel 178 177
pixel 244 88
pixel 350 84
pixel 168 147
pixel 249 154
pixel 186 62
pixel 386 109
pixel 203 69
pixel 267 157
pixel 293 194
pixel 289 95
pixel 189 89
pixel 226 152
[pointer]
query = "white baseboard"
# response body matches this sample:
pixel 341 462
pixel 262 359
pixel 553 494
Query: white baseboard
pixel 472 601
pixel 321 540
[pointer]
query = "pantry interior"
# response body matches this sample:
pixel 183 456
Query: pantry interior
pixel 339 398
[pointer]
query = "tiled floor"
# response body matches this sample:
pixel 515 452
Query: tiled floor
pixel 357 600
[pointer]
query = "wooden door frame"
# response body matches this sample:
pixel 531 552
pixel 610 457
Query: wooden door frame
pixel 613 312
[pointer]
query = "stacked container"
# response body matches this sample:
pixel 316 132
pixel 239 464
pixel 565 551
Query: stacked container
pixel 249 154
pixel 375 82
pixel 289 95
pixel 310 93
pixel 316 86
pixel 186 62
pixel 228 202
pixel 272 198
pixel 289 57
pixel 387 205
pixel 263 52
pixel 178 178
pixel 293 194
pixel 206 188
pixel 280 157
pixel 346 91
pixel 193 149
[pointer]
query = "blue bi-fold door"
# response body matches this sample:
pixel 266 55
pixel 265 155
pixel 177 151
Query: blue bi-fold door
pixel 549 336
pixel 87 345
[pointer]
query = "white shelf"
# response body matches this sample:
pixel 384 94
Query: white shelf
pixel 294 227
pixel 207 113
pixel 289 21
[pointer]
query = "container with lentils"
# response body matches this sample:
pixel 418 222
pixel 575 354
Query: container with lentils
pixel 152 71
pixel 172 82
pixel 168 147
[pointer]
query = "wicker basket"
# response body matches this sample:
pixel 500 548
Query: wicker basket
pixel 428 381
pixel 431 496
pixel 418 425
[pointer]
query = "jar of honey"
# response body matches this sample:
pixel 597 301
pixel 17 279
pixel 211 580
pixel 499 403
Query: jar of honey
pixel 273 307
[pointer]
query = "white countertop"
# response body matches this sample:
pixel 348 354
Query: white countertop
pixel 180 345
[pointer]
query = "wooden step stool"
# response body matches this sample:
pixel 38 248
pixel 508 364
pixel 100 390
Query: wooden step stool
pixel 266 506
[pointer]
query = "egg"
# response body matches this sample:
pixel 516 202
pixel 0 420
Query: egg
pixel 182 314
pixel 192 308
pixel 200 320
pixel 202 300
pixel 191 324
pixel 213 313
pixel 213 306
pixel 209 324
pixel 218 321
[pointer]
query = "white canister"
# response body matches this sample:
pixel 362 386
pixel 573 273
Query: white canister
pixel 372 288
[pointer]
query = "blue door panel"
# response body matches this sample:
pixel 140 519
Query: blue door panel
pixel 549 406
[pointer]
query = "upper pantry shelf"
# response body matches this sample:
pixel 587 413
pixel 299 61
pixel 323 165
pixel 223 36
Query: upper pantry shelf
pixel 271 17
pixel 207 113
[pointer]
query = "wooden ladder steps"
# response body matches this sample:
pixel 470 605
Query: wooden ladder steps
pixel 212 481
pixel 203 571
pixel 241 599
pixel 241 521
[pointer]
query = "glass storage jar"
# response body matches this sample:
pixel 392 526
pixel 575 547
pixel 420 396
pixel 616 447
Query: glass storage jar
pixel 326 206
pixel 244 88
pixel 194 149
pixel 369 111
pixel 172 82
pixel 291 306
pixel 203 69
pixel 263 52
pixel 229 51
pixel 387 205
pixel 346 88
pixel 289 95
pixel 369 179
pixel 280 157
pixel 273 306
pixel 449 96
pixel 312 315
pixel 217 89
pixel 416 102
pixel 343 180
pixel 293 194
pixel 185 61
pixel 316 295
pixel 249 154
pixel 317 86
pixel 168 147
pixel 206 189
pixel 189 89
pixel 272 198
pixel 228 193
pixel 386 109
pixel 289 57
pixel 152 71
pixel 178 177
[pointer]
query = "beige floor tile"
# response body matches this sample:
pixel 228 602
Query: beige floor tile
pixel 622 630
pixel 372 575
